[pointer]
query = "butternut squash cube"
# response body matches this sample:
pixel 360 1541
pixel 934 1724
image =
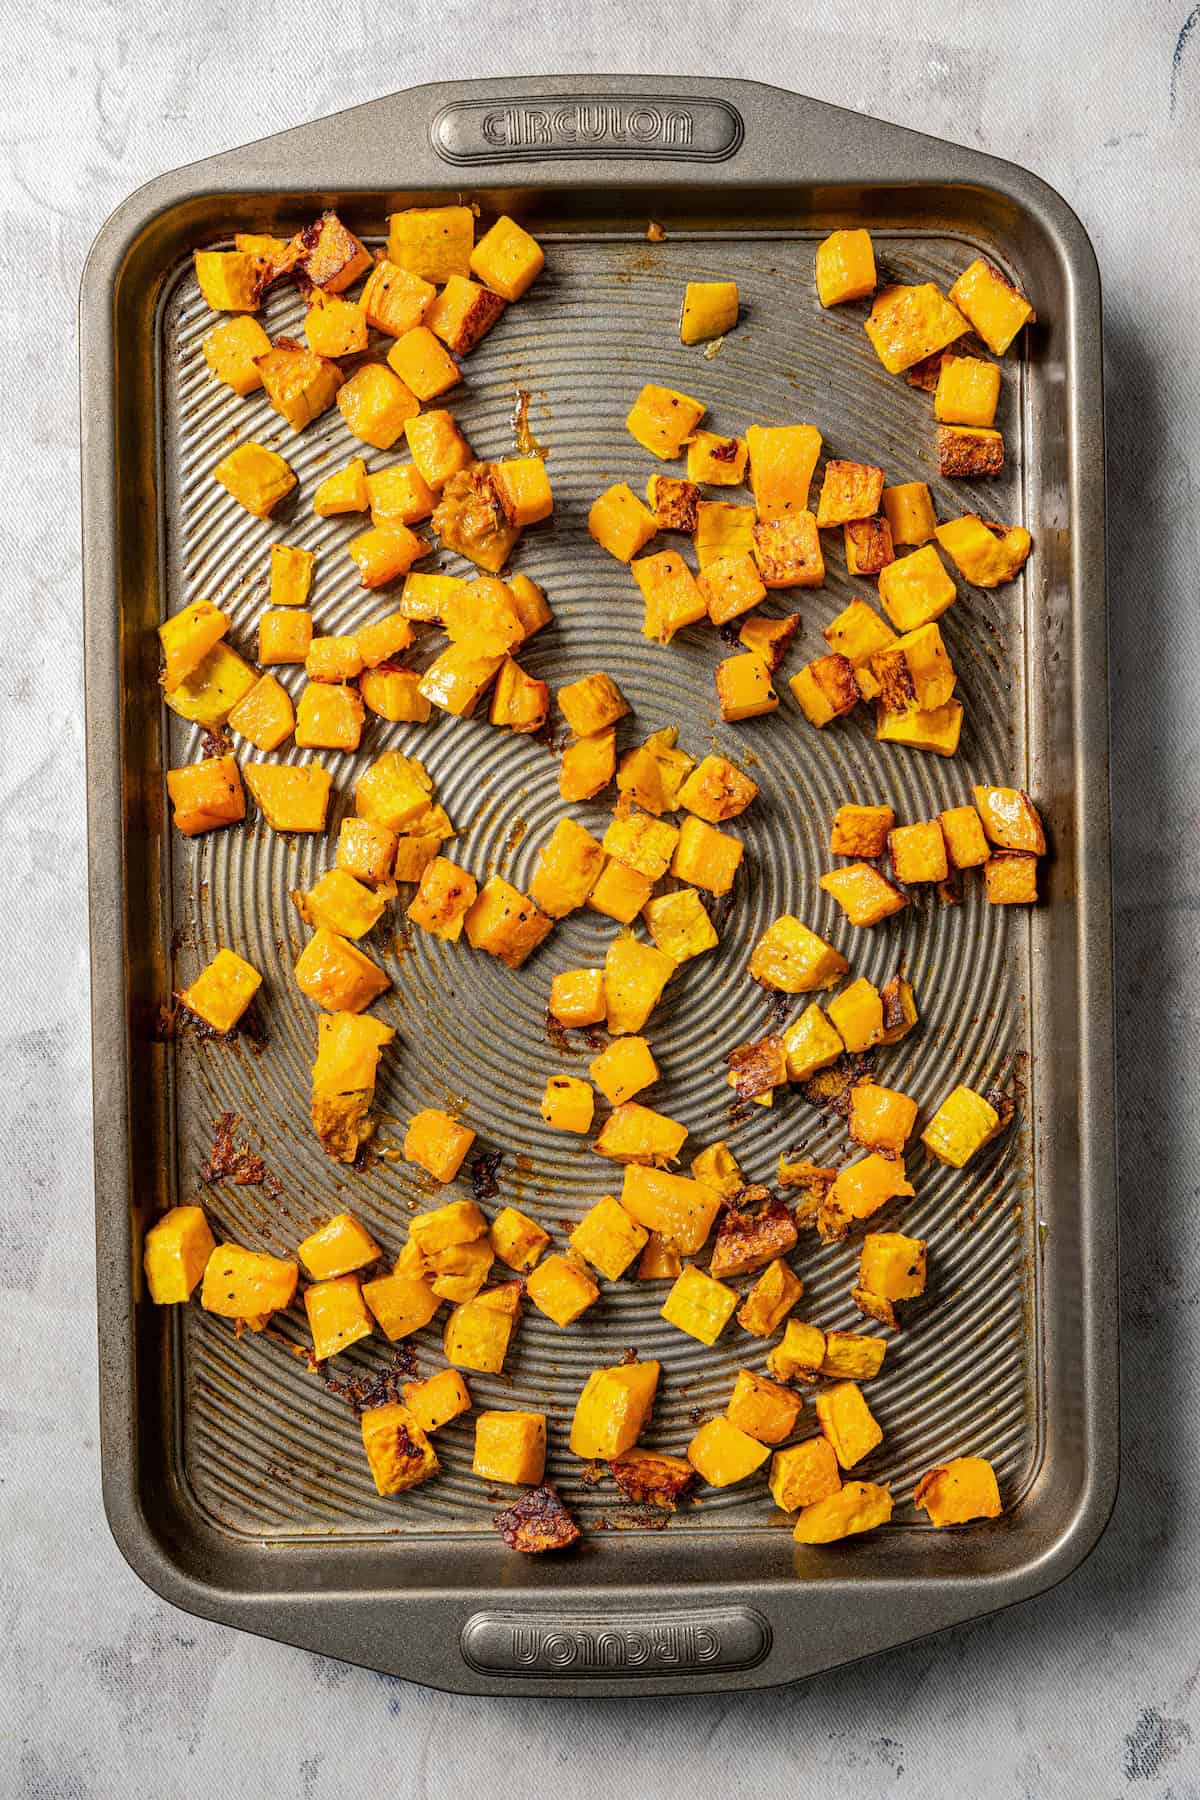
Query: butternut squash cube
pixel 908 323
pixel 717 790
pixel 918 852
pixel 222 991
pixel 699 1305
pixel 399 1453
pixel 519 702
pixel 652 774
pixel 437 1143
pixel 533 609
pixel 961 1126
pixel 587 765
pixel 392 792
pixel 437 446
pixel 230 280
pixel 662 419
pixel 861 1190
pixel 284 637
pixel 670 594
pixel 470 520
pixel 400 1304
pixel 337 1248
pixel 457 680
pixel 345 491
pixel 376 404
pixel 478 1332
pixel 967 392
pixel 257 478
pixel 860 831
pixel 1011 878
pixel 443 899
pixel 916 589
pixel 334 327
pixel 716 461
pixel 187 638
pixel 985 553
pixel 673 502
pixel 857 1015
pixel 434 1403
pixel 996 308
pixel 463 314
pixel 568 1104
pixel 718 1166
pixel 566 870
pixel 744 688
pixel 782 461
pixel 176 1251
pixel 850 490
pixel 399 495
pixel 290 798
pixel 620 523
pixel 613 1410
pixel 675 1207
pixel 1010 819
pixel 591 703
pixel 299 384
pixel 333 659
pixel 331 256
pixel 524 489
pixel 848 1423
pixel 730 586
pixel 770 1299
pixel 624 1069
pixel 247 1284
pixel 845 267
pixel 395 300
pixel 762 1409
pixel 413 857
pixel 967 452
pixel 858 1506
pixel 291 575
pixel 880 1118
pixel 206 795
pixel 329 718
pixel 849 1354
pixel 868 544
pixel 803 1474
pixel 232 351
pixel 384 552
pixel 335 974
pixel 510 1447
pixel 864 895
pixel 504 922
pixel 481 617
pixel 722 529
pixel 423 364
pixel 458 1272
pixel 788 551
pixel 679 925
pixel 343 1082
pixel 937 730
pixel 641 842
pixel 705 857
pixel 561 1288
pixel 517 1239
pixel 659 1260
pixel 637 1134
pixel 892 1266
pixel 710 309
pixel 799 1354
pixel 793 959
pixel 634 977
pixel 577 997
pixel 507 259
pixel 899 1009
pixel 962 829
pixel 962 1489
pixel 909 511
pixel 723 1455
pixel 434 242
pixel 608 1238
pixel 337 1315
pixel 457 1222
pixel 811 1042
pixel 651 1477
pixel 826 689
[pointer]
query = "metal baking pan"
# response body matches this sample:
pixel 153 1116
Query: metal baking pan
pixel 233 1479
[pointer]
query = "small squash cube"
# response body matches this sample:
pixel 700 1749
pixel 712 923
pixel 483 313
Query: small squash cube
pixel 384 552
pixel 517 1239
pixel 860 831
pixel 705 857
pixel 967 452
pixel 337 1248
pixel 463 314
pixel 577 997
pixel 803 1474
pixel 510 1447
pixel 652 774
pixel 478 1332
pixel 1010 819
pixel 291 575
pixel 716 461
pixel 857 1015
pixel 788 551
pixel 330 255
pixel 864 895
pixel 334 327
pixel 722 1455
pixel 393 791
pixel 457 680
pixel 793 959
pixel 718 1166
pixel 845 267
pixel 399 1454
pixel 620 523
pixel 187 637
pixel 613 1410
pixel 524 489
pixel 661 419
pixel 811 1042
pixel 437 447
pixel 424 365
pixel 699 1305
pixel 340 903
pixel 381 641
pixel 591 704
pixel 176 1253
pixel 962 1489
pixel 937 729
pixel 651 1477
pixel 770 1300
pixel 858 633
pixel 868 544
pixel 413 857
pixel 1011 878
pixel 860 1190
pixel 892 1266
pixel 848 1423
pixel 504 922
pixel 443 899
pixel 670 594
pixel 290 798
pixel 435 1402
pixel 717 790
pixel 967 392
pixel 470 520
pixel 284 637
pixel 230 280
pixel 679 1210
pixel 434 242
pixel 908 509
pixel 909 323
pixel 366 851
pixel 710 309
pixel 996 308
pixel 587 766
pixel 782 461
pixel 561 1288
pixel 762 1409
pixel 399 495
pixel 899 1009
pixel 643 843
pixel 335 974
pixel 447 1227
pixel 673 502
pixel 985 553
pixel 394 299
pixel 659 1261
pixel 722 530
pixel 961 1126
pixel 329 718
pixel 232 351
pixel 918 852
pixel 850 490
pixel 624 1069
pixel 533 609
pixel 337 1315
pixel 343 1082
pixel 608 1238
pixel 247 1284
pixel 744 688
pixel 206 795
pixel 679 925
pixel 962 829
pixel 826 689
pixel 858 1506
pixel 634 977
pixel 507 259
pixel 375 405
pixel 333 659
pixel 519 702
pixel 566 870
pixel 437 1143
pixel 400 1304
pixel 257 478
pixel 916 589
pixel 799 1354
pixel 637 1134
pixel 299 384
pixel 880 1118
pixel 568 1104
pixel 850 1355
pixel 730 586
pixel 345 491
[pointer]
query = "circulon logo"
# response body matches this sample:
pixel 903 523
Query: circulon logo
pixel 730 1637
pixel 601 125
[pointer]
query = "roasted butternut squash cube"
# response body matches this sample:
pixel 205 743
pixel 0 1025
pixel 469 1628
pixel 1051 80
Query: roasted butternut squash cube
pixel 710 309
pixel 651 1477
pixel 330 255
pixel 400 1304
pixel 634 977
pixel 996 308
pixel 762 1409
pixel 591 704
pixel 247 1284
pixel 908 323
pixel 507 259
pixel 892 1265
pixel 652 774
pixel 478 1332
pixel 424 365
pixel 222 991
pixel 868 544
pixel 699 1305
pixel 705 857
pixel 457 680
pixel 343 1082
pixel 793 959
pixel 826 689
pixel 613 1410
pixel 849 1354
pixel 722 529
pixel 982 551
pixel 341 904
pixel 338 1247
pixel 566 869
pixel 803 1474
pixel 232 351
pixel 1010 819
pixel 962 1489
pixel 624 1069
pixel 860 1190
pixel 187 637
pixel 937 729
pixel 662 419
pixel 880 1118
pixel 788 551
pixel 206 795
pixel 673 502
pixel 447 1227
pixel 291 575
pixel 716 461
pixel 568 1104
pixel 670 594
pixel 799 1354
pixel 299 384
pixel 659 1260
pixel 333 659
pixel 675 1207
pixel 918 852
pixel 230 280
pixel 329 717
pixel 858 1506
pixel 384 552
pixel 961 1126
pixel 642 842
pixel 848 1423
pixel 587 765
pixel 770 1300
pixel 533 609
pixel 722 1455
pixel 381 641
pixel 393 791
pixel 337 1315
pixel 443 899
pixel 860 831
pixel 620 892
pixel 916 589
pixel 811 1042
pixel 463 314
pixel 376 404
pixel 470 520
pixel 1011 878
pixel 437 447
pixel 395 300
pixel 504 922
pixel 782 461
pixel 399 1453
pixel 284 637
pixel 175 1254
pixel 561 1288
pixel 519 702
pixel 620 523
pixel 864 895
pixel 755 1069
pixel 850 490
pixel 967 392
pixel 637 1134
pixel 909 511
pixel 290 798
pixel 413 857
pixel 481 617
pixel 345 491
pixel 257 478
pixel 335 974
pixel 334 327
pixel 744 688
pixel 717 790
pixel 577 997
pixel 458 1273
pixel 524 489
pixel 967 452
pixel 510 1447
pixel 730 586
pixel 437 1143
pixel 434 242
pixel 962 829
pixel 858 633
pixel 845 267
pixel 608 1238
pixel 434 1403
pixel 399 495
pixel 679 925
pixel 517 1239
pixel 857 1015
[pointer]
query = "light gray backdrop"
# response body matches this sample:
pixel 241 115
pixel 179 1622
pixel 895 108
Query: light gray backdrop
pixel 1089 1691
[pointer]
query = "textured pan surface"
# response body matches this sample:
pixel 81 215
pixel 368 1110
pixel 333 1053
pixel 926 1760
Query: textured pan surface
pixel 267 1451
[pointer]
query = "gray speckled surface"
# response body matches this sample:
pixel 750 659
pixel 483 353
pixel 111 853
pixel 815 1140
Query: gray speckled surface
pixel 1089 1691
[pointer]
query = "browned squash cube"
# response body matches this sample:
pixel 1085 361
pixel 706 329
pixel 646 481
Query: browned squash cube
pixel 966 845
pixel 299 384
pixel 788 551
pixel 826 689
pixel 730 586
pixel 918 852
pixel 864 895
pixel 868 546
pixel 330 255
pixel 463 313
pixel 1011 877
pixel 1010 819
pixel 861 831
pixel 394 300
pixel 850 490
pixel 968 451
pixel 744 688
pixel 673 502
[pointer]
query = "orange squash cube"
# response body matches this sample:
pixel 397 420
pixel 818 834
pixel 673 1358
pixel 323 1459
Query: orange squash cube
pixel 937 729
pixel 803 1474
pixel 717 790
pixel 257 478
pixel 699 1305
pixel 608 1238
pixel 967 392
pixel 864 895
pixel 962 829
pixel 670 594
pixel 331 256
pixel 762 1409
pixel 434 242
pixel 345 491
pixel 232 350
pixel 399 1454
pixel 591 704
pixel 613 1410
pixel 856 1507
pixel 561 1288
pixel 868 544
pixel 918 852
pixel 916 589
pixel 566 870
pixel 705 857
pixel 620 523
pixel 811 1042
pixel 710 309
pixel 624 1069
pixel 337 1315
pixel 880 1118
pixel 394 299
pixel 722 529
pixel 506 923
pixel 437 447
pixel 394 791
pixel 187 637
pixel 845 267
pixel 568 1104
pixel 399 495
pixel 463 313
pixel 519 702
pixel 860 1190
pixel 587 765
pixel 338 1247
pixel 909 511
pixel 516 1239
pixel 334 327
pixel 662 419
pixel 892 1266
pixel 510 1447
pixel 375 404
pixel 770 1300
pixel 723 1455
pixel 826 688
pixel 384 552
pixel 507 259
pixel 788 551
pixel 434 1403
pixel 176 1253
pixel 857 1016
pixel 673 502
pixel 794 960
pixel 1010 819
pixel 730 586
pixel 967 452
pixel 744 688
pixel 860 831
pixel 443 899
pixel 264 716
pixel 206 795
pixel 478 1332
pixel 290 799
pixel 962 1489
pixel 229 280
pixel 637 1134
pixel 457 680
pixel 329 717
pixel 858 633
pixel 850 490
pixel 716 461
pixel 641 842
pixel 909 323
pixel 221 992
pixel 337 975
pixel 1011 878
pixel 437 1143
pixel 299 384
pixel 424 365
pixel 848 1423
pixel 284 637
pixel 677 1208
pixel 996 308
pixel 577 997
pixel 634 978
pixel 782 461
pixel 413 857
pixel 524 489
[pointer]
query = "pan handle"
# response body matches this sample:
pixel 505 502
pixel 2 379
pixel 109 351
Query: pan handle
pixel 605 1650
